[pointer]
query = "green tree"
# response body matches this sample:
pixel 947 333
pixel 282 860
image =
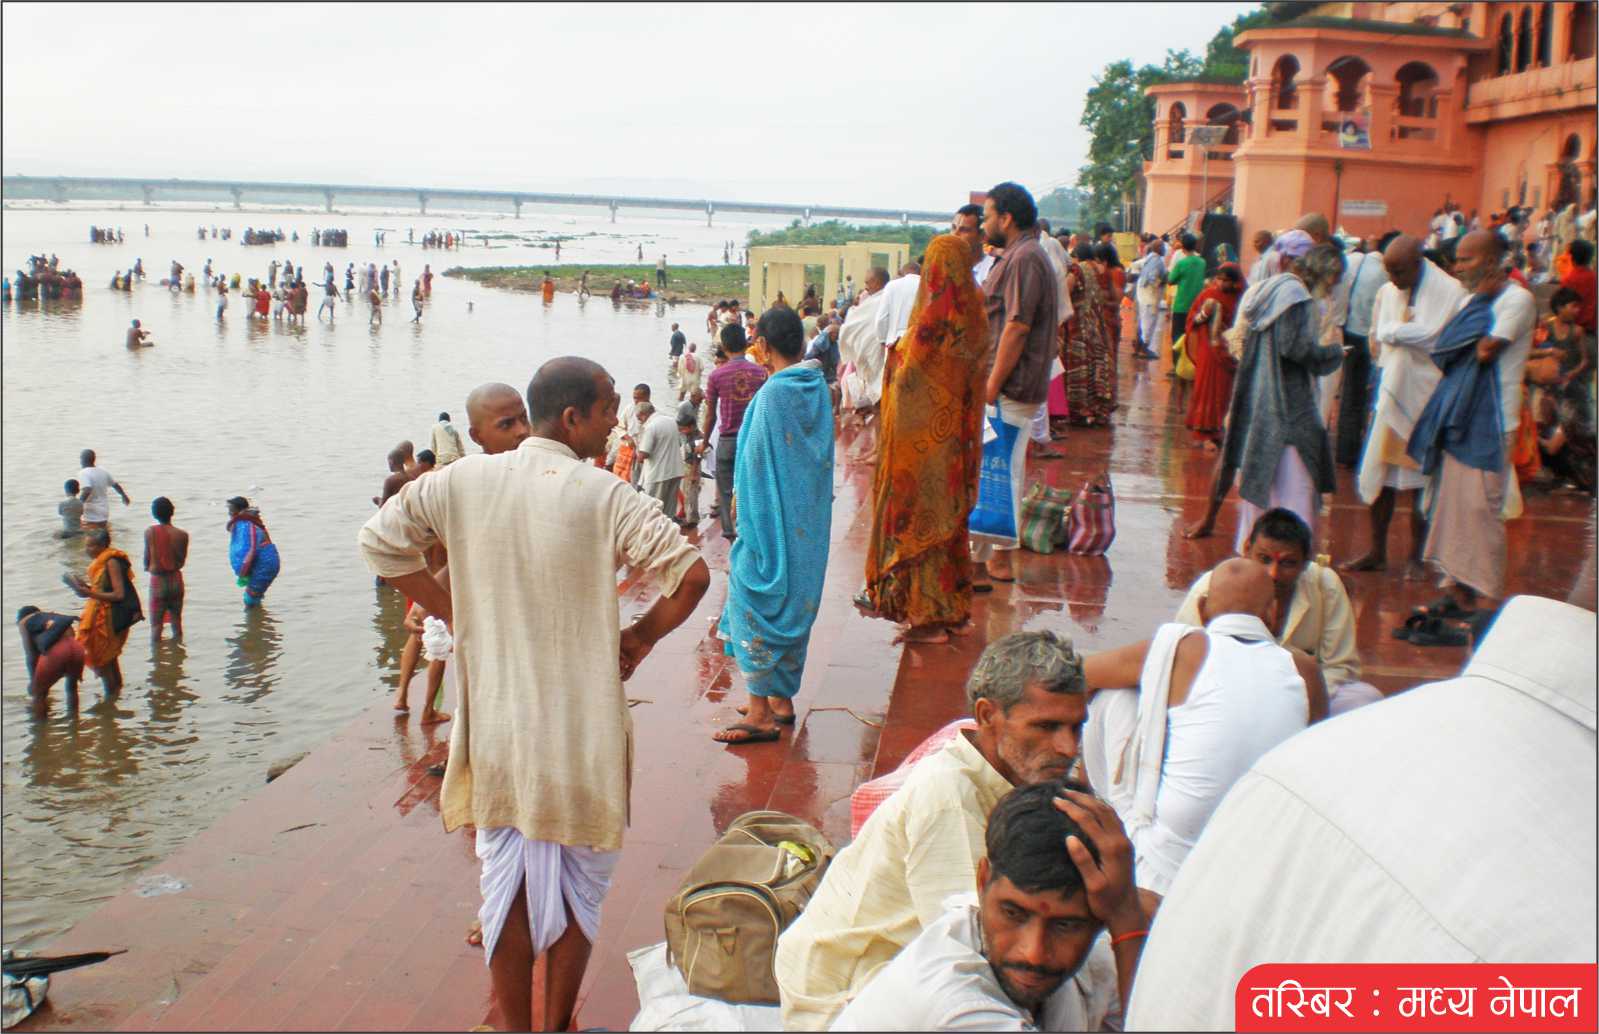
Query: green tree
pixel 835 231
pixel 1064 206
pixel 1120 120
pixel 1223 60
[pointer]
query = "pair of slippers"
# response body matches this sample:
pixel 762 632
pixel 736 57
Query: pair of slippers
pixel 1446 623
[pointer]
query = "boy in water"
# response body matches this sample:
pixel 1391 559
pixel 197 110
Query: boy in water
pixel 71 511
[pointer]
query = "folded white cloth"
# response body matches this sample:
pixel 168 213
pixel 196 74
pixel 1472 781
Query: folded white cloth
pixel 437 643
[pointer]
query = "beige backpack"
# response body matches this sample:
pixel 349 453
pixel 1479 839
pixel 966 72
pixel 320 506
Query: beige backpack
pixel 723 923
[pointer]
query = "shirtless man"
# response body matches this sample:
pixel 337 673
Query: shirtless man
pixel 166 549
pixel 397 478
pixel 136 335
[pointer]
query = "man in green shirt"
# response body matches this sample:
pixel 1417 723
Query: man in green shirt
pixel 1188 273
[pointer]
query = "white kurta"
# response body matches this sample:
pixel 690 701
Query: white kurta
pixel 861 353
pixel 1404 331
pixel 542 740
pixel 1384 835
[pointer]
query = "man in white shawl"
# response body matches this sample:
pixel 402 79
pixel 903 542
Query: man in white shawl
pixel 1209 703
pixel 1412 308
pixel 860 347
pixel 541 750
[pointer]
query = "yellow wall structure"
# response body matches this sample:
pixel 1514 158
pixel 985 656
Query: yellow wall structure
pixel 777 268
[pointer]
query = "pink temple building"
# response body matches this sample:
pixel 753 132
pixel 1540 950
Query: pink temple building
pixel 1381 112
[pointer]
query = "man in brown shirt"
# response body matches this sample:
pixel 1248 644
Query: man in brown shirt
pixel 1022 318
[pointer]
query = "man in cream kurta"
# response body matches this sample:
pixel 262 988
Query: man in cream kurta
pixel 542 745
pixel 1411 309
pixel 923 844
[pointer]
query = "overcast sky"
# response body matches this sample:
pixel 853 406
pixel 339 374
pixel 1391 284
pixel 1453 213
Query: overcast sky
pixel 867 104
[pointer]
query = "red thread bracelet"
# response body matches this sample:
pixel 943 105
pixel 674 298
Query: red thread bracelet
pixel 1132 935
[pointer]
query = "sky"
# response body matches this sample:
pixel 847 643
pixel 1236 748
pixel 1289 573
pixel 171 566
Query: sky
pixel 874 105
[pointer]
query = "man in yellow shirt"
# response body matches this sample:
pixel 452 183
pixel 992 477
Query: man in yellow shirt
pixel 923 844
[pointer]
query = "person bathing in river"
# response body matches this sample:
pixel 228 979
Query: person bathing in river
pixel 136 336
pixel 51 652
pixel 251 551
pixel 166 549
pixel 111 609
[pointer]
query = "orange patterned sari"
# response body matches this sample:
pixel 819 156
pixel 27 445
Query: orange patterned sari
pixel 917 566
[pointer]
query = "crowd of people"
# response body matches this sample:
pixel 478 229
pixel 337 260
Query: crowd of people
pixel 54 652
pixel 1074 798
pixel 1013 878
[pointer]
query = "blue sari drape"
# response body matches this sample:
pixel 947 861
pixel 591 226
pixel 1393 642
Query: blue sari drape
pixel 263 569
pixel 783 483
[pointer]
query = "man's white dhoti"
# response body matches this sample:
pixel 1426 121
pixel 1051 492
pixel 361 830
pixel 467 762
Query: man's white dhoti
pixel 557 877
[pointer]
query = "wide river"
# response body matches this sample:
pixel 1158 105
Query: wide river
pixel 298 420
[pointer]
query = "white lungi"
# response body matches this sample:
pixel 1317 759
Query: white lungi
pixel 557 877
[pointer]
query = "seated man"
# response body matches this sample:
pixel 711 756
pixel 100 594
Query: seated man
pixel 1365 840
pixel 1208 704
pixel 1312 611
pixel 1025 952
pixel 924 843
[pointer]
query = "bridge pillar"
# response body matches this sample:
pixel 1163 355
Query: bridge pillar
pixel 422 202
pixel 328 194
pixel 904 219
pixel 149 194
pixel 60 190
pixel 518 203
pixel 710 210
pixel 613 211
pixel 238 194
pixel 807 217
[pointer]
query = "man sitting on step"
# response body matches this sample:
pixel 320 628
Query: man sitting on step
pixel 1209 703
pixel 1050 941
pixel 924 843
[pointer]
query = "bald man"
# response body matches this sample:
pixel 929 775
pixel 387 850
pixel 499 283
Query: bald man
pixel 1208 703
pixel 539 703
pixel 1463 439
pixel 1411 310
pixel 496 417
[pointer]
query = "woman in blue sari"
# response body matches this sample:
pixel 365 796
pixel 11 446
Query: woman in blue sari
pixel 250 550
pixel 783 494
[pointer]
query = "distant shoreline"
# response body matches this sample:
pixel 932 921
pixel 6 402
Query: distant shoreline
pixel 708 284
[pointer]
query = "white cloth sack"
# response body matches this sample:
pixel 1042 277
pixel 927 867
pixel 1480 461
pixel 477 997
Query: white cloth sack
pixel 666 1004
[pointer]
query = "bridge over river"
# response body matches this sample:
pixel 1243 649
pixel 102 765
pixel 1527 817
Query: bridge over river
pixel 64 188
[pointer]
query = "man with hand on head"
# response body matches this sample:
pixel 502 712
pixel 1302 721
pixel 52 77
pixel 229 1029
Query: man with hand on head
pixel 1049 942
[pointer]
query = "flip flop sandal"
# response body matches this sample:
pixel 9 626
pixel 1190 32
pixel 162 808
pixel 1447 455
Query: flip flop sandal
pixel 1445 607
pixel 1436 633
pixel 754 734
pixel 1412 624
pixel 780 719
pixel 983 587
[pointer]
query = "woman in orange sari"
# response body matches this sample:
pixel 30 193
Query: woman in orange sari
pixel 1212 313
pixel 918 569
pixel 106 589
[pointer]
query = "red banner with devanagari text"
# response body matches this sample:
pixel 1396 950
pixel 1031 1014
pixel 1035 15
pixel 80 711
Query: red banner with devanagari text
pixel 1418 997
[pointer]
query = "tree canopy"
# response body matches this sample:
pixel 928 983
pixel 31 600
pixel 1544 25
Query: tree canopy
pixel 836 231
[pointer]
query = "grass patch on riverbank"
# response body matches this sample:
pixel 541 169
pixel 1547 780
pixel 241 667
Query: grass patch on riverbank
pixel 683 283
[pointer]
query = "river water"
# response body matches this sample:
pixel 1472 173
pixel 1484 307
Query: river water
pixel 298 420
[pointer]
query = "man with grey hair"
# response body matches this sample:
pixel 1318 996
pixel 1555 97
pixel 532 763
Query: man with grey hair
pixel 923 843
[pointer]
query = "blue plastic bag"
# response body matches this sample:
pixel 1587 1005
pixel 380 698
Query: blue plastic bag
pixel 995 513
